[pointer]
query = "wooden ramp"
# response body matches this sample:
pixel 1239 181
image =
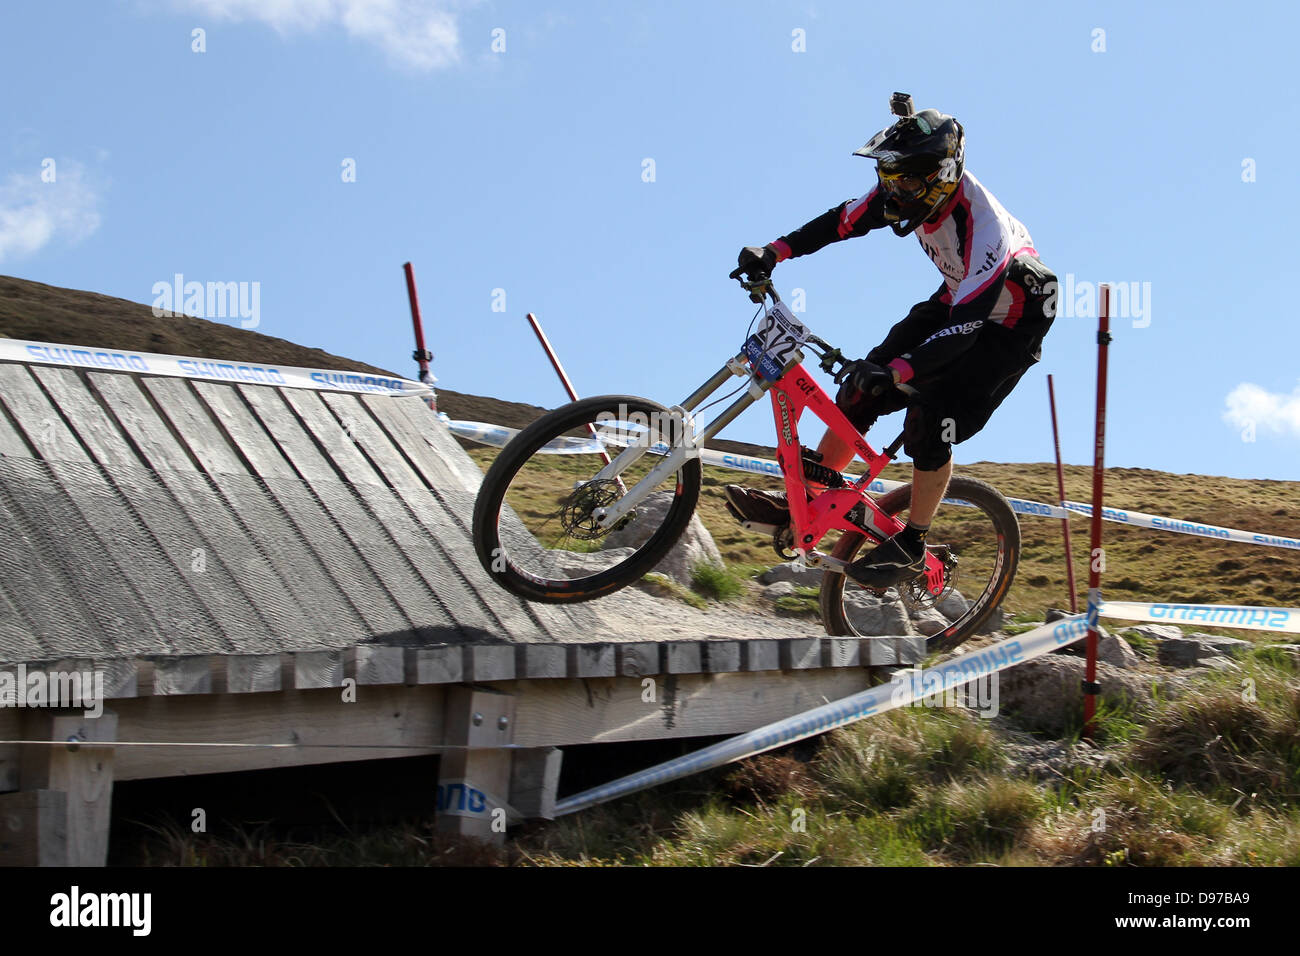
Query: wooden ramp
pixel 235 560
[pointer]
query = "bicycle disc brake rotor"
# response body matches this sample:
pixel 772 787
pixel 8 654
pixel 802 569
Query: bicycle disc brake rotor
pixel 576 513
pixel 915 592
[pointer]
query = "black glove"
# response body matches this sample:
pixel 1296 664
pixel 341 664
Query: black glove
pixel 755 259
pixel 872 379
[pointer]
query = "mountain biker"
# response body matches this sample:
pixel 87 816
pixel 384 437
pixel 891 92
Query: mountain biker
pixel 954 357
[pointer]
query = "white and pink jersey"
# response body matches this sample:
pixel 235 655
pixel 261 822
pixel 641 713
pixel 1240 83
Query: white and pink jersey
pixel 991 271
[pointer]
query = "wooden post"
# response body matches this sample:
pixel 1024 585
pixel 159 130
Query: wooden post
pixel 474 780
pixel 534 780
pixel 61 815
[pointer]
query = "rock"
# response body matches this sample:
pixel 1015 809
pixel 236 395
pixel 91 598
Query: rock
pixel 1233 646
pixel 575 563
pixel 1046 694
pixel 994 622
pixel 1114 650
pixel 695 546
pixel 1192 651
pixel 927 620
pixel 1218 663
pixel 1156 632
pixel 952 605
pixel 779 590
pixel 1055 614
pixel 869 615
pixel 804 577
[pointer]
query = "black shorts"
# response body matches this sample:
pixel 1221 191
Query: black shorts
pixel 955 403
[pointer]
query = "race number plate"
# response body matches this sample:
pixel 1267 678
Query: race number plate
pixel 778 337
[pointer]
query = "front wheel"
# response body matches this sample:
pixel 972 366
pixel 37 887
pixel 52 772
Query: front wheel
pixel 536 527
pixel 979 541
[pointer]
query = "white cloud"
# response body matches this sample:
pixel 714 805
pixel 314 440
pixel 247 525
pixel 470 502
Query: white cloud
pixel 34 213
pixel 1250 406
pixel 417 34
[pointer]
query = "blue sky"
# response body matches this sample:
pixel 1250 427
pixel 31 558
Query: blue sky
pixel 1165 160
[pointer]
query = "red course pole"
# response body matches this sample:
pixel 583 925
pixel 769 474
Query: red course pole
pixel 1097 555
pixel 564 377
pixel 421 354
pixel 1060 487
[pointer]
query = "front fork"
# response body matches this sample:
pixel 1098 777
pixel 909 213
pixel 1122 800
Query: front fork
pixel 681 452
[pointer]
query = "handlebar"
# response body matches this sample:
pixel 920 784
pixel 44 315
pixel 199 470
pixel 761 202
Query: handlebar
pixel 759 284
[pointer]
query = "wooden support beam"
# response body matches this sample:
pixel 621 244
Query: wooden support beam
pixel 534 780
pixel 83 771
pixel 474 780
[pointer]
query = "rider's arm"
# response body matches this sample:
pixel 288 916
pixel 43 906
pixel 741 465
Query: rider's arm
pixel 854 217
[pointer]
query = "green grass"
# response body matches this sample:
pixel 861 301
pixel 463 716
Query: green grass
pixel 663 584
pixel 715 583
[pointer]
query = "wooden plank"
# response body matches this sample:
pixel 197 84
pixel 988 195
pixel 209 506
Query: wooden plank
pixel 439 665
pixel 761 655
pixel 465 602
pixel 313 669
pixel 892 651
pixel 12 444
pixel 138 419
pixel 253 673
pixel 841 652
pixel 592 660
pixel 189 674
pixel 563 713
pixel 720 657
pixel 120 678
pixel 683 657
pixel 37 419
pixel 801 653
pixel 97 431
pixel 338 444
pixel 637 660
pixel 368 587
pixel 387 721
pixel 204 439
pixel 541 660
pixel 199 610
pixel 319 606
pixel 485 662
pixel 377 664
pixel 36 828
pixel 410 426
pixel 58 626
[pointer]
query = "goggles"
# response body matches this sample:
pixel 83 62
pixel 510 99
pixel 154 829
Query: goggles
pixel 902 185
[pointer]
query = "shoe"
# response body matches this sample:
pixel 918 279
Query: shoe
pixel 888 564
pixel 750 506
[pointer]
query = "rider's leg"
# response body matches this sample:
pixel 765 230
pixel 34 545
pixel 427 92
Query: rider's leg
pixel 928 488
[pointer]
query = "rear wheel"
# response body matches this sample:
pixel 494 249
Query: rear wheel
pixel 980 547
pixel 535 520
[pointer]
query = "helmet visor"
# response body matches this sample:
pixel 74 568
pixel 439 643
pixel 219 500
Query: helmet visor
pixel 900 185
